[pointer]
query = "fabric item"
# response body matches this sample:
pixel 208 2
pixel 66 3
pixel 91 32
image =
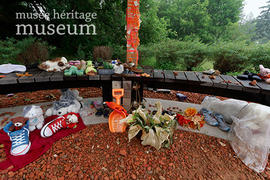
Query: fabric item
pixel 38 147
pixel 20 143
pixel 8 68
pixel 221 124
pixel 208 117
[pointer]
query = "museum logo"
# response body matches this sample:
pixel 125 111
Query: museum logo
pixel 61 29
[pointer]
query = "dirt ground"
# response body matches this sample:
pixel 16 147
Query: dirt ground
pixel 95 153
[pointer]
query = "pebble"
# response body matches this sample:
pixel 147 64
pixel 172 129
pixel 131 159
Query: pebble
pixel 123 152
pixel 133 176
pixel 162 178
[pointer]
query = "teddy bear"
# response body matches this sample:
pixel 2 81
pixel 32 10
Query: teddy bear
pixel 35 116
pixel 17 123
pixel 265 73
pixel 70 101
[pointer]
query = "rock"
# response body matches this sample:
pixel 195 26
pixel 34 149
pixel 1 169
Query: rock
pixel 162 178
pixel 133 176
pixel 123 152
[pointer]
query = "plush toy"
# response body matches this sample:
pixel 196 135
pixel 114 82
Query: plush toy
pixel 72 119
pixel 73 70
pixel 118 69
pixel 69 102
pixel 35 115
pixel 54 65
pixel 265 74
pixel 17 123
pixel 90 70
pixel 82 65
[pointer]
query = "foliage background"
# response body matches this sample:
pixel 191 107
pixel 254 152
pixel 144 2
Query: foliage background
pixel 174 34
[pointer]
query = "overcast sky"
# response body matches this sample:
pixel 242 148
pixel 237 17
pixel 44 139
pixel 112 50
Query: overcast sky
pixel 252 6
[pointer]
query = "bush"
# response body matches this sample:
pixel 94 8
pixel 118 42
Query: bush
pixel 230 56
pixel 27 51
pixel 170 54
pixel 119 52
pixel 260 54
pixel 103 52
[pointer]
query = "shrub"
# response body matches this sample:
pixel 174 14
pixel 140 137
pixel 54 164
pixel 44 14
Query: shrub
pixel 34 54
pixel 119 52
pixel 103 52
pixel 260 54
pixel 229 56
pixel 27 51
pixel 8 51
pixel 170 54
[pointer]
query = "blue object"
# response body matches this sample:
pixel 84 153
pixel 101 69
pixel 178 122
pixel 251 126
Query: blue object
pixel 20 143
pixel 181 97
pixel 222 125
pixel 208 117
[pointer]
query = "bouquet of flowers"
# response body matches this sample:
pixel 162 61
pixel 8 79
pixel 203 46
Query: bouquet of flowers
pixel 191 119
pixel 157 130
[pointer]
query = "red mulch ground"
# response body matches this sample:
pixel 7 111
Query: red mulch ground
pixel 95 153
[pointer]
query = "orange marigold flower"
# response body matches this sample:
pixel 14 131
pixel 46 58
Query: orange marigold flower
pixel 191 112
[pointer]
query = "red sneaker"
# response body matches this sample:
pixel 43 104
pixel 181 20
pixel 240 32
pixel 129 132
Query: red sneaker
pixel 53 126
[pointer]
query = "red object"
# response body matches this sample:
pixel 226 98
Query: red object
pixel 116 107
pixel 39 145
pixel 182 120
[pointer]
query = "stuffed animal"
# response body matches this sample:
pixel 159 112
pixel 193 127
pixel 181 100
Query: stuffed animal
pixel 90 70
pixel 73 70
pixel 69 102
pixel 72 119
pixel 82 65
pixel 265 74
pixel 35 115
pixel 55 65
pixel 17 123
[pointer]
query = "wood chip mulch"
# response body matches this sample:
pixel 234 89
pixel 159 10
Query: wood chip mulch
pixel 95 153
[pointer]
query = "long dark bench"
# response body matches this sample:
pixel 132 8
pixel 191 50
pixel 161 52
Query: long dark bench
pixel 223 85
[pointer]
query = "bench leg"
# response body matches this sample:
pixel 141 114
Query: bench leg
pixel 107 91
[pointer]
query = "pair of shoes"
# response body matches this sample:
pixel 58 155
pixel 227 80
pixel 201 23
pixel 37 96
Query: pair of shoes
pixel 104 111
pixel 249 76
pixel 214 119
pixel 20 143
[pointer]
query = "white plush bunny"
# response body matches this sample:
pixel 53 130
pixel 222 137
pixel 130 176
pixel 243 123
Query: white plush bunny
pixel 35 115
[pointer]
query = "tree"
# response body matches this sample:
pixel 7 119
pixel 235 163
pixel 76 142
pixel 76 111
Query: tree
pixel 153 29
pixel 223 13
pixel 186 18
pixel 203 19
pixel 263 24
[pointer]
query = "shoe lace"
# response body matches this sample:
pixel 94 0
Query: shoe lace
pixel 18 139
pixel 57 126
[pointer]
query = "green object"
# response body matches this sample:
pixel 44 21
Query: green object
pixel 73 70
pixel 90 67
pixel 107 65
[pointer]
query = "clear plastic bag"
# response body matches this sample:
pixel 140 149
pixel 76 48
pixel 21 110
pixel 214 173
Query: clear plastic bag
pixel 250 135
pixel 228 108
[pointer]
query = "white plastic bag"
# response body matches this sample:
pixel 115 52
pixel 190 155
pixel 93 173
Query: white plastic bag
pixel 228 108
pixel 250 137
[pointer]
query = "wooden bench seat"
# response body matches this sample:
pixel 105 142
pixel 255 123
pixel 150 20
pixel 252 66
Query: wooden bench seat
pixel 223 85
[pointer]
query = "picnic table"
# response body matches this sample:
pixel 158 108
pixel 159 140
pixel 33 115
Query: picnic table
pixel 223 85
